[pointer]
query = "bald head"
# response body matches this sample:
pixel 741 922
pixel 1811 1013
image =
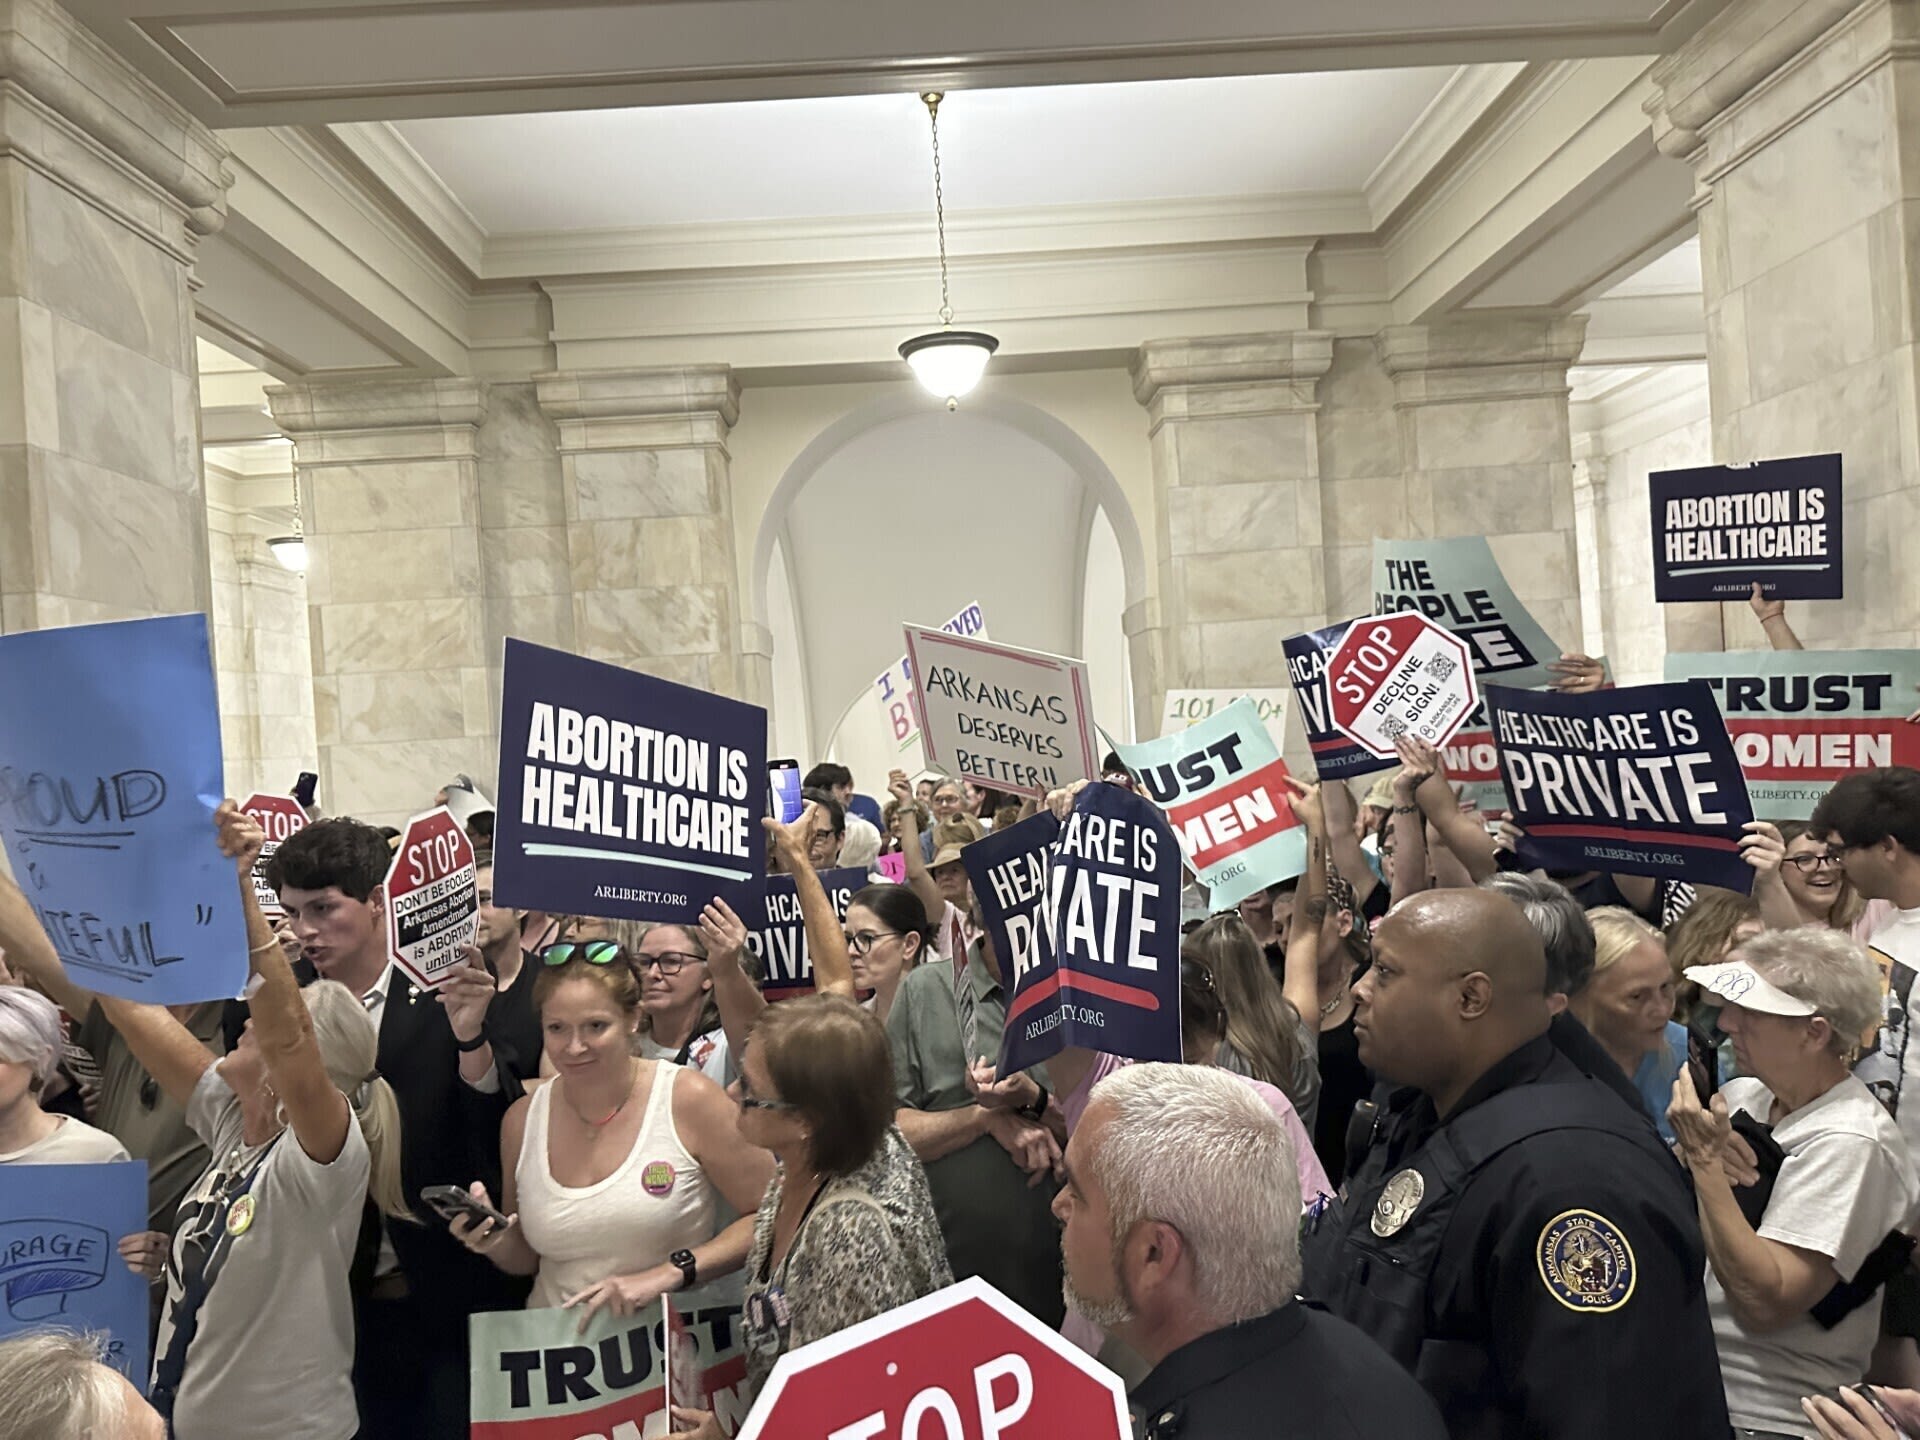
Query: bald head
pixel 1458 982
pixel 1477 930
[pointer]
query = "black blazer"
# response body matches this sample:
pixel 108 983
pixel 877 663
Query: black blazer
pixel 449 1135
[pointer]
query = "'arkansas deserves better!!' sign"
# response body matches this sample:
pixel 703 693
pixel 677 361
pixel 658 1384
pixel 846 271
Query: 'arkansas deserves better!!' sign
pixel 1107 976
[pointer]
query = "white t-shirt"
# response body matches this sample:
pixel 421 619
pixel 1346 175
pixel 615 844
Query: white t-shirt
pixel 709 1054
pixel 1846 1182
pixel 1892 1068
pixel 73 1142
pixel 273 1353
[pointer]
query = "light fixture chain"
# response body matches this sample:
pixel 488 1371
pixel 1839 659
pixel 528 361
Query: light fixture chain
pixel 940 208
pixel 299 530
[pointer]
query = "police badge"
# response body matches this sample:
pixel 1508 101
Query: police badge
pixel 1397 1202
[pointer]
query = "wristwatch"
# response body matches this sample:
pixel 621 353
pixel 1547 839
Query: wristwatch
pixel 689 1267
pixel 1038 1109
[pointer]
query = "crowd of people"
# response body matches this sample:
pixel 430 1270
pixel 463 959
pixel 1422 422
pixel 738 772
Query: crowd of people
pixel 1458 1147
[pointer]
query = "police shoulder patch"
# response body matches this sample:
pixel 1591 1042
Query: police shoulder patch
pixel 1586 1263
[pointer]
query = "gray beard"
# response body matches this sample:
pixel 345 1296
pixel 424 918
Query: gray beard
pixel 1107 1314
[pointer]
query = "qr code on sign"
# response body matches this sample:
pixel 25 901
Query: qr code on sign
pixel 1441 667
pixel 1393 727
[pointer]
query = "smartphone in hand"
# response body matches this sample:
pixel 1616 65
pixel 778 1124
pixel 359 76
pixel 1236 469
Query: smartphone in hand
pixel 452 1203
pixel 784 800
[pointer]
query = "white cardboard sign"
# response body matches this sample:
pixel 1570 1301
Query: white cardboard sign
pixel 1017 720
pixel 1190 707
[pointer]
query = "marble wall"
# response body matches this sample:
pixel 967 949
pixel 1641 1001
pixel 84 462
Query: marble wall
pixel 389 478
pixel 1237 500
pixel 261 664
pixel 105 187
pixel 1800 124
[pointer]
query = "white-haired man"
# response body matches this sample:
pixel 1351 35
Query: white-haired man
pixel 1182 1216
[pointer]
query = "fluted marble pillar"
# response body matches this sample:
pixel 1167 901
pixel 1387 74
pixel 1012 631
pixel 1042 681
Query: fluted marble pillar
pixel 1236 479
pixel 389 479
pixel 106 187
pixel 649 515
pixel 1801 120
pixel 1486 447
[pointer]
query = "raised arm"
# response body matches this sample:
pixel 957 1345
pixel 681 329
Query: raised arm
pixel 1772 615
pixel 32 954
pixel 1407 828
pixel 1462 834
pixel 735 995
pixel 826 941
pixel 918 876
pixel 1765 850
pixel 316 1110
pixel 1301 983
pixel 1343 840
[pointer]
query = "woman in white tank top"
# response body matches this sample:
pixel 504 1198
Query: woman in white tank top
pixel 615 1166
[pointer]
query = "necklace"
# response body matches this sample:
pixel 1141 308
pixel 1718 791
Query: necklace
pixel 608 1118
pixel 1334 1004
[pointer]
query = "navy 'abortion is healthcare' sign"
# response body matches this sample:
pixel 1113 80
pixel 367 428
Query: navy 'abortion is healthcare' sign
pixel 1719 528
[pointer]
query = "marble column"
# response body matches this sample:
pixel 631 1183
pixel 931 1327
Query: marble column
pixel 390 500
pixel 1801 120
pixel 649 516
pixel 1236 480
pixel 1487 447
pixel 106 188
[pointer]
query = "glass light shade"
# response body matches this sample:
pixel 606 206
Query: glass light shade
pixel 290 551
pixel 949 363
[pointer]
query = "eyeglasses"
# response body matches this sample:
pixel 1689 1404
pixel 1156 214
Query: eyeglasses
pixel 865 940
pixel 1807 864
pixel 750 1101
pixel 671 962
pixel 594 952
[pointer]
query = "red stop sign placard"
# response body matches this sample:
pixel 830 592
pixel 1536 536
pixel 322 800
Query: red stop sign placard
pixel 1399 674
pixel 431 897
pixel 279 816
pixel 965 1363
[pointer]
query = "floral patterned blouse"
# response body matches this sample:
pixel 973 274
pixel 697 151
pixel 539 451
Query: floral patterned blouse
pixel 870 1243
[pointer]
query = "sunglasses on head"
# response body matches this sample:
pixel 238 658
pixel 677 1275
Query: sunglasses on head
pixel 594 952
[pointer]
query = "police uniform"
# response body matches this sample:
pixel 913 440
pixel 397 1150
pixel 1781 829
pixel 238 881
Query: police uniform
pixel 1292 1374
pixel 1535 1260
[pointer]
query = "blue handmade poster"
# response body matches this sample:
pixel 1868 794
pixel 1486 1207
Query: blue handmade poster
pixel 1108 974
pixel 109 775
pixel 1642 780
pixel 60 1265
pixel 623 795
pixel 1717 529
pixel 1458 584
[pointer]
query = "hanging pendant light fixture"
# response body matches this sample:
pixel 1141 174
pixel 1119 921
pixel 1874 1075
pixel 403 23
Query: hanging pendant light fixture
pixel 291 550
pixel 947 362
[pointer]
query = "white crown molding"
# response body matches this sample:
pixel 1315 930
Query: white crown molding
pixel 1663 399
pixel 1645 329
pixel 385 152
pixel 840 240
pixel 1470 92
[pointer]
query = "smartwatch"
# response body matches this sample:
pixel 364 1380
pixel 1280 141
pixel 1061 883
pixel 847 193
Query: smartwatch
pixel 689 1268
pixel 467 1047
pixel 1038 1109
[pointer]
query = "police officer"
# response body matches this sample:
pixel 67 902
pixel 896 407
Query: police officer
pixel 1515 1236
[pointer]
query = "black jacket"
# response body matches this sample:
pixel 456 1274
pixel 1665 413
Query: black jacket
pixel 1294 1374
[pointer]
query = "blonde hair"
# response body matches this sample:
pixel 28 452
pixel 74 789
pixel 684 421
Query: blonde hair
pixel 58 1387
pixel 628 934
pixel 349 1046
pixel 1262 1024
pixel 1616 930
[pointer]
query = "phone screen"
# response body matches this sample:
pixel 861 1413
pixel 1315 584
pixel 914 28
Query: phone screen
pixel 303 788
pixel 784 801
